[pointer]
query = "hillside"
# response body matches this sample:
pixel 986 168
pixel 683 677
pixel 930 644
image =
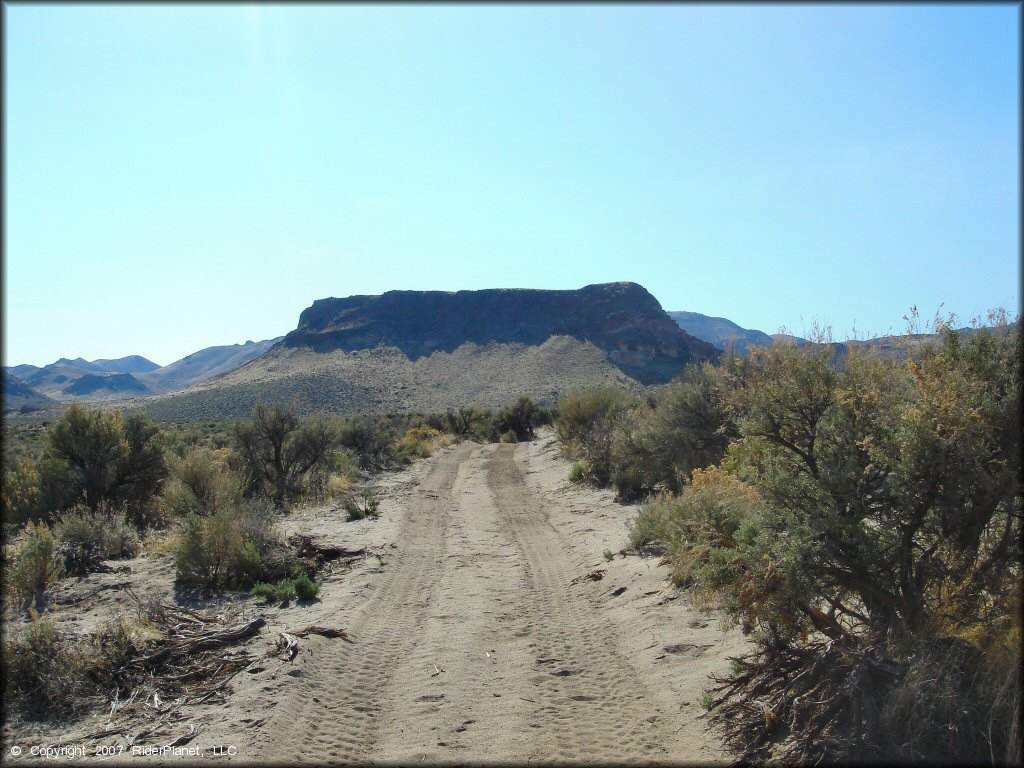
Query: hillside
pixel 720 332
pixel 111 385
pixel 203 364
pixel 428 350
pixel 129 364
pixel 19 396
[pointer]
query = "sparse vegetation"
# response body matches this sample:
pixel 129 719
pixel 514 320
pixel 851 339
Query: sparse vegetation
pixel 361 505
pixel 864 528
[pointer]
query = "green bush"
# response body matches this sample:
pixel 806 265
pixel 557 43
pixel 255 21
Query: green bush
pixel 305 587
pixel 201 483
pixel 110 458
pixel 687 427
pixel 578 472
pixel 278 450
pixel 281 592
pixel 883 563
pixel 34 565
pixel 517 419
pixel 589 423
pixel 231 548
pixel 86 537
pixel 20 494
pixel 371 440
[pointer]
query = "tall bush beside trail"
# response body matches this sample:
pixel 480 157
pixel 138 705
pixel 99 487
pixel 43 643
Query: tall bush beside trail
pixel 687 428
pixel 587 426
pixel 371 440
pixel 518 418
pixel 278 449
pixel 106 458
pixel 879 575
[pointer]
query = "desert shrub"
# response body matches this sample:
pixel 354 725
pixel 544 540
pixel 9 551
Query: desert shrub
pixel 578 472
pixel 278 449
pixel 50 674
pixel 106 458
pixel 545 416
pixel 518 419
pixel 654 521
pixel 200 483
pixel 508 437
pixel 37 662
pixel 34 564
pixel 881 566
pixel 420 442
pixel 20 494
pixel 232 548
pixel 688 427
pixel 85 537
pixel 465 421
pixel 305 587
pixel 589 423
pixel 60 486
pixel 371 440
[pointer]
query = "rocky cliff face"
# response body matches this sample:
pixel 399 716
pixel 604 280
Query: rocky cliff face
pixel 622 319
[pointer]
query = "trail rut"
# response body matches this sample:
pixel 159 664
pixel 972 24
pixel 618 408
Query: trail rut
pixel 474 644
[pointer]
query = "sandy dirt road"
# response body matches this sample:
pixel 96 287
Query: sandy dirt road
pixel 474 644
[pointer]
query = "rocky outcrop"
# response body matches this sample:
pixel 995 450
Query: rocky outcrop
pixel 622 319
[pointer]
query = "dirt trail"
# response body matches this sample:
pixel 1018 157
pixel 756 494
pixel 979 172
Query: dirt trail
pixel 474 644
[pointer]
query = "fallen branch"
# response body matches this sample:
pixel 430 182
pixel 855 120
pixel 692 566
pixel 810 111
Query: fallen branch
pixel 313 629
pixel 308 548
pixel 595 575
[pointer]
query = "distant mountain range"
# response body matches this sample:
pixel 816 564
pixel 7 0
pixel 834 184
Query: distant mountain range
pixel 420 351
pixel 30 387
pixel 725 334
pixel 720 332
pixel 430 350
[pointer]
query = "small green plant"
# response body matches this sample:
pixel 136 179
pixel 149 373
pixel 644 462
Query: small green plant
pixel 508 437
pixel 609 555
pixel 364 505
pixel 705 700
pixel 578 472
pixel 281 592
pixel 305 587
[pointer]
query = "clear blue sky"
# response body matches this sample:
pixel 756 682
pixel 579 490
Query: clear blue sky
pixel 184 176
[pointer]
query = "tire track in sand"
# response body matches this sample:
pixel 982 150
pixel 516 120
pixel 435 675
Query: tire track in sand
pixel 589 703
pixel 330 713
